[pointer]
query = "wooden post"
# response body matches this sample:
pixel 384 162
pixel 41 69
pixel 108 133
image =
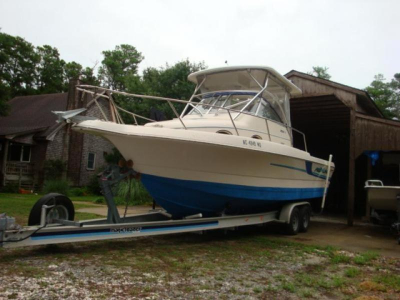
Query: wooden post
pixel 352 165
pixel 6 143
pixel 20 176
pixel 369 176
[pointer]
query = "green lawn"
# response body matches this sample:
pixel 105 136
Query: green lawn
pixel 19 206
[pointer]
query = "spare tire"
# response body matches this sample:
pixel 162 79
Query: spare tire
pixel 63 209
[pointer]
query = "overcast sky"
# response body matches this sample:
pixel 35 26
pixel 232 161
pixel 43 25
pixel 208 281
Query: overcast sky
pixel 355 39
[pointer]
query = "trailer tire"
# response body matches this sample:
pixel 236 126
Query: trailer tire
pixel 305 215
pixel 292 228
pixel 64 208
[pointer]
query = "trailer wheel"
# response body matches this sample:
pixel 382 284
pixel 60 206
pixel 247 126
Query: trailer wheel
pixel 63 209
pixel 305 214
pixel 292 228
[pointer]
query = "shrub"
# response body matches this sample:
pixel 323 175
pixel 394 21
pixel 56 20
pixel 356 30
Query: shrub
pixel 93 186
pixel 56 186
pixel 132 191
pixel 78 192
pixel 54 168
pixel 10 188
pixel 114 157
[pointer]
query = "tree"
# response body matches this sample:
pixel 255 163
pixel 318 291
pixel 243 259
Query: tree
pixel 320 72
pixel 50 70
pixel 170 82
pixel 18 61
pixel 120 66
pixel 88 77
pixel 386 95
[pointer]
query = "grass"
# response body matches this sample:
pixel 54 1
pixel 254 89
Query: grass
pixel 365 258
pixel 352 272
pixel 20 205
pixel 340 258
pixel 389 280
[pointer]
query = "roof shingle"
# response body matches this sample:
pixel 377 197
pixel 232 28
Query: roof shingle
pixel 30 113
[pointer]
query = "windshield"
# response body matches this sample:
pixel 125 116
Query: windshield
pixel 236 101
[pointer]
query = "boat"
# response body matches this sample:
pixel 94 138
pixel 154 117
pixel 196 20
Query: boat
pixel 384 200
pixel 230 150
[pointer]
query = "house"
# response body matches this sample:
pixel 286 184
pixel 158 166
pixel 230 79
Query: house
pixel 30 135
pixel 344 121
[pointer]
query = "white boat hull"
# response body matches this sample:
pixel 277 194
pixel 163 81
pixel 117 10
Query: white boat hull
pixel 383 197
pixel 189 172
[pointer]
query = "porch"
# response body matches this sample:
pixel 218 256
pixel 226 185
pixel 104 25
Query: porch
pixel 21 174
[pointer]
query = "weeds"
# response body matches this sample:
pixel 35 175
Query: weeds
pixel 365 258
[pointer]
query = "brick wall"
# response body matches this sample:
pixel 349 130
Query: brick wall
pixel 94 144
pixel 55 147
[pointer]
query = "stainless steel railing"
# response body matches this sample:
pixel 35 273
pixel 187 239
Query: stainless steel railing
pixel 100 92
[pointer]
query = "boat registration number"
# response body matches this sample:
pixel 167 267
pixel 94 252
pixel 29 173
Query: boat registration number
pixel 252 143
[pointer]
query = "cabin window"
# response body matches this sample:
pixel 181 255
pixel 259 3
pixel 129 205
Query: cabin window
pixel 265 110
pixel 91 161
pixel 21 153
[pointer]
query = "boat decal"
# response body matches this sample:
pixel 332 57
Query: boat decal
pixel 119 230
pixel 318 172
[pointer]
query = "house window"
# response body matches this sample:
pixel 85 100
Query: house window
pixel 91 162
pixel 19 153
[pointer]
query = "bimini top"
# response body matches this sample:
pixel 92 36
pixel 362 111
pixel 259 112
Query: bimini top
pixel 241 78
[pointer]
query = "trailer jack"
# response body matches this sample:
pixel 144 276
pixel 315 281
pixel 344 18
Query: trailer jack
pixel 110 177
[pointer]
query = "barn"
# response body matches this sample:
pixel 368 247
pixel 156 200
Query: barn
pixel 345 122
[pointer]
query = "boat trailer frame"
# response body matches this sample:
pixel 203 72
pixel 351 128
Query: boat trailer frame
pixel 155 222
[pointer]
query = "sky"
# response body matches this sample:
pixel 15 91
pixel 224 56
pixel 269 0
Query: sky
pixel 355 39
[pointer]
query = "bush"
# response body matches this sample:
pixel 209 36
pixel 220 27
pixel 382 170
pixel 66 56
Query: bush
pixel 56 186
pixel 10 188
pixel 132 191
pixel 78 192
pixel 54 168
pixel 93 186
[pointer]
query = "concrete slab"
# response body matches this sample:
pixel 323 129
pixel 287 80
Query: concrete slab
pixel 358 238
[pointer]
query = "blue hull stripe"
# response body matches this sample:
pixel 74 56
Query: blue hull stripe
pixel 108 231
pixel 186 197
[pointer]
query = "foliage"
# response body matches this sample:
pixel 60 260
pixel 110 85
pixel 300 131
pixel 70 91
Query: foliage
pixel 10 188
pixel 93 185
pixel 119 66
pixel 56 186
pixel 132 192
pixel 320 72
pixel 53 169
pixel 50 70
pixel 72 70
pixel 78 192
pixel 114 157
pixel 18 61
pixel 26 70
pixel 386 95
pixel 168 81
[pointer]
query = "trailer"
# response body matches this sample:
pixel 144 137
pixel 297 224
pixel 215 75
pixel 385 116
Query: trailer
pixel 51 220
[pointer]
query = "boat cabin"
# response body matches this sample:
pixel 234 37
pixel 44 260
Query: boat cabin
pixel 246 101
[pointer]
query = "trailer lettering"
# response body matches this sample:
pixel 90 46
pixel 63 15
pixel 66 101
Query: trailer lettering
pixel 123 230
